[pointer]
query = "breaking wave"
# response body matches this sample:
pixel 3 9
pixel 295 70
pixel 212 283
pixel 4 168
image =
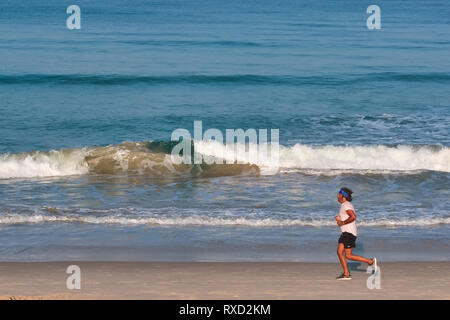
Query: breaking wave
pixel 154 158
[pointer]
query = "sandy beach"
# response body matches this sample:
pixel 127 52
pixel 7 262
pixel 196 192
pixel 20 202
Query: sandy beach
pixel 223 280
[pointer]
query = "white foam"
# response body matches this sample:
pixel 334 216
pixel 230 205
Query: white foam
pixel 43 164
pixel 376 158
pixel 210 221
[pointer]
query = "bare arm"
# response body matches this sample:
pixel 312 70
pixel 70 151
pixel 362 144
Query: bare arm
pixel 350 219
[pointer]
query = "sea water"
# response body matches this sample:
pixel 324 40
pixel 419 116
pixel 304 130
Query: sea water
pixel 86 118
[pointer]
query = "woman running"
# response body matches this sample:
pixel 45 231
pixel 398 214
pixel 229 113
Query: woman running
pixel 346 219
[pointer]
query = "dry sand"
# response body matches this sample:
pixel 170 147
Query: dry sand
pixel 222 280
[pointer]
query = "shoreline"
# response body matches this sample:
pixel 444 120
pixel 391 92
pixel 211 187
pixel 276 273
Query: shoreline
pixel 222 280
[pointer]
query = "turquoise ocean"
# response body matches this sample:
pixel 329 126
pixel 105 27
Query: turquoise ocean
pixel 86 118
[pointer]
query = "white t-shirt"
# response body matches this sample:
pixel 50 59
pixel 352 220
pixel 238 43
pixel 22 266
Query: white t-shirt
pixel 350 227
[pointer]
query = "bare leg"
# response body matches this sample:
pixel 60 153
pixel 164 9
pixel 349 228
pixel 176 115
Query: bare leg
pixel 340 253
pixel 350 256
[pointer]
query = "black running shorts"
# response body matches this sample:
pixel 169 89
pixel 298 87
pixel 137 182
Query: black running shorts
pixel 348 239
